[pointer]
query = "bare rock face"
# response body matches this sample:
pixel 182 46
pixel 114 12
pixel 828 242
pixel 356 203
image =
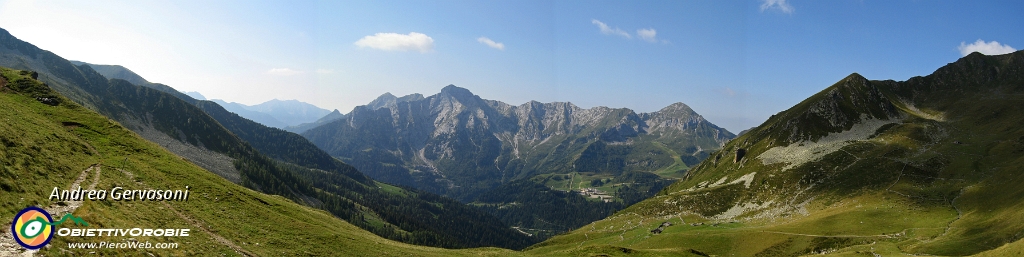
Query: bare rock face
pixel 740 152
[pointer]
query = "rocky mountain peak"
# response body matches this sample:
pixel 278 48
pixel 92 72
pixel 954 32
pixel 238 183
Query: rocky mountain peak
pixel 385 100
pixel 679 109
pixel 410 98
pixel 456 92
pixel 854 78
pixel 679 117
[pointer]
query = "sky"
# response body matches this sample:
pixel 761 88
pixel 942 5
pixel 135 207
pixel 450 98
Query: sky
pixel 734 62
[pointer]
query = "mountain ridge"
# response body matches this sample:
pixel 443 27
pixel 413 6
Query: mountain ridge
pixel 274 113
pixel 440 115
pixel 922 166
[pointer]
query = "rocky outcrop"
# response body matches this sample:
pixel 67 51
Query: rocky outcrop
pixel 740 152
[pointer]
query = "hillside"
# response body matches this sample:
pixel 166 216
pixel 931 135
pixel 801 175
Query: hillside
pixel 52 142
pixel 924 166
pixel 265 159
pixel 115 72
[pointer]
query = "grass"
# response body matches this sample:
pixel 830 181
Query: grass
pixel 677 169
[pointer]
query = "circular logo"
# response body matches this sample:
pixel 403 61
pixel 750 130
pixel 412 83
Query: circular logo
pixel 31 228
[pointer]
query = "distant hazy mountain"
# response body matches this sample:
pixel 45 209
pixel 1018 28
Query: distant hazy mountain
pixel 333 116
pixel 291 112
pixel 245 112
pixel 277 113
pixel 195 95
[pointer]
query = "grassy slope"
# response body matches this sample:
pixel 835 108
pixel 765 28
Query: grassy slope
pixel 40 152
pixel 942 181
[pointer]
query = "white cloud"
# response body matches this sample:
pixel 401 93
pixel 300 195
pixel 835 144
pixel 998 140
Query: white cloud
pixel 491 43
pixel 647 35
pixel 990 48
pixel 398 42
pixel 283 72
pixel 782 5
pixel 324 71
pixel 605 29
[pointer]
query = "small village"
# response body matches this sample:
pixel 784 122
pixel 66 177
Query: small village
pixel 595 193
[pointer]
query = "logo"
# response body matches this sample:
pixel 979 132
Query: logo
pixel 33 228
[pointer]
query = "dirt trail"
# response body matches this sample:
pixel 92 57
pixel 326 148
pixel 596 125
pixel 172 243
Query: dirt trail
pixel 8 247
pixel 194 222
pixel 812 235
pixel 216 237
pixel 57 210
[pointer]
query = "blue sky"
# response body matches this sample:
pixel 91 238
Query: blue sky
pixel 734 62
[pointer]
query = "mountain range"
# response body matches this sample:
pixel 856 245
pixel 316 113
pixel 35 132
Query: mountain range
pixel 526 164
pixel 458 144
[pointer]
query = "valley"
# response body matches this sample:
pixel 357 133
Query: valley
pixel 889 168
pixel 511 128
